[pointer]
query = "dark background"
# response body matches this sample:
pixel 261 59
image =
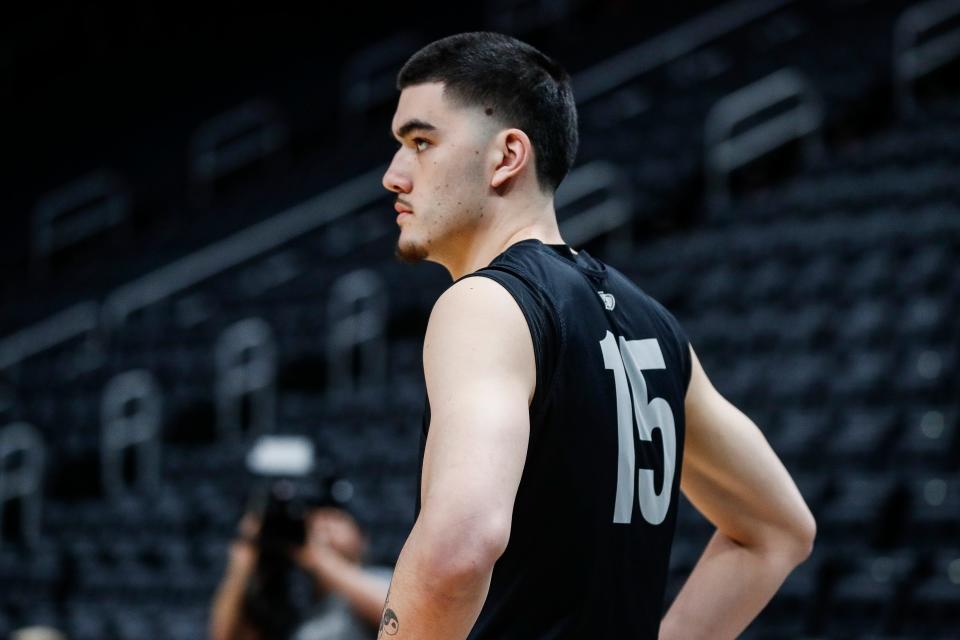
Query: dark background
pixel 822 296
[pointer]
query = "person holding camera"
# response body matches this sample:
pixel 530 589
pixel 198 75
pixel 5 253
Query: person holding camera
pixel 258 598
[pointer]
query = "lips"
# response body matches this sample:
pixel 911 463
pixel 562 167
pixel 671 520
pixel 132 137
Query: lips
pixel 402 208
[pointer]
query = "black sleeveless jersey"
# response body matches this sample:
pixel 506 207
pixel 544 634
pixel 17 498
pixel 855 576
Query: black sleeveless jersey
pixel 596 507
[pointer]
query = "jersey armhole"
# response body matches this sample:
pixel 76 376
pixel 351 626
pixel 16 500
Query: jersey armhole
pixel 546 339
pixel 684 343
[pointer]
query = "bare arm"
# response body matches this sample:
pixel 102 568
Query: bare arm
pixel 332 556
pixel 363 590
pixel 226 615
pixel 764 528
pixel 480 374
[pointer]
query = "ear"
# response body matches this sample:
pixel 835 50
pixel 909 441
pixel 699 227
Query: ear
pixel 515 153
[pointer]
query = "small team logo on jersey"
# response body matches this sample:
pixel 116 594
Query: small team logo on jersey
pixel 609 302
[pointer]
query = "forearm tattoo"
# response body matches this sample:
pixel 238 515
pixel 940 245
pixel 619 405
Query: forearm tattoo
pixel 389 623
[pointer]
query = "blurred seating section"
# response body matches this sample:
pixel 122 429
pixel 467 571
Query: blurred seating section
pixel 818 278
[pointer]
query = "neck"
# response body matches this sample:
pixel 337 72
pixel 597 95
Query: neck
pixel 506 228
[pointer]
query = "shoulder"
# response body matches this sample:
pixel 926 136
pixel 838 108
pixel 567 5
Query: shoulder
pixel 472 290
pixel 473 300
pixel 476 326
pixel 476 309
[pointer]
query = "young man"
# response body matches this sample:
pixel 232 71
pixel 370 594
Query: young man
pixel 562 400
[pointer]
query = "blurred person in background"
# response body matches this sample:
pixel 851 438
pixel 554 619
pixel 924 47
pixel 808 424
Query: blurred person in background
pixel 562 399
pixel 344 598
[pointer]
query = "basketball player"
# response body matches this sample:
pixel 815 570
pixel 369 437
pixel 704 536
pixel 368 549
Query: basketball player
pixel 562 401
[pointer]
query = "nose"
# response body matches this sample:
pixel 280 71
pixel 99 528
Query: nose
pixel 396 179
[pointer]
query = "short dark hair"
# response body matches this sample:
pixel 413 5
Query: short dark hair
pixel 523 87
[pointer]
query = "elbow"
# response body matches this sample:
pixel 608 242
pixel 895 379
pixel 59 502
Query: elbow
pixel 455 556
pixel 799 538
pixel 789 543
pixel 806 536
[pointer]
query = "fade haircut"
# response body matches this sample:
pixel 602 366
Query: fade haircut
pixel 514 83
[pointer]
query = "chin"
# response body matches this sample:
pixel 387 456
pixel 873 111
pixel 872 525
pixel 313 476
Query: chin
pixel 410 252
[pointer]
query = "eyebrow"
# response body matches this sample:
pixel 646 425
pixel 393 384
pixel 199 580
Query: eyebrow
pixel 414 125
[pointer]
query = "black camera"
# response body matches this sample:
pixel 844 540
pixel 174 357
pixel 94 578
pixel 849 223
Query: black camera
pixel 281 506
pixel 288 484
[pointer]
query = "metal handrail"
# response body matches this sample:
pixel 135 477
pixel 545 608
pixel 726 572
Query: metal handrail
pixel 912 61
pixel 726 151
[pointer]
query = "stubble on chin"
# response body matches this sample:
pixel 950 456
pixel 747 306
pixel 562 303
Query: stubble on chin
pixel 410 252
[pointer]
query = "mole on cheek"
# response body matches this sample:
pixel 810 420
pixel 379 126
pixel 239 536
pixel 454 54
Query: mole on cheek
pixel 488 111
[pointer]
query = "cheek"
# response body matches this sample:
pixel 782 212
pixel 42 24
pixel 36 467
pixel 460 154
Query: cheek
pixel 463 180
pixel 456 188
pixel 475 173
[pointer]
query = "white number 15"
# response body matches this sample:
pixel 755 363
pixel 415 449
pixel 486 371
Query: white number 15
pixel 627 360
